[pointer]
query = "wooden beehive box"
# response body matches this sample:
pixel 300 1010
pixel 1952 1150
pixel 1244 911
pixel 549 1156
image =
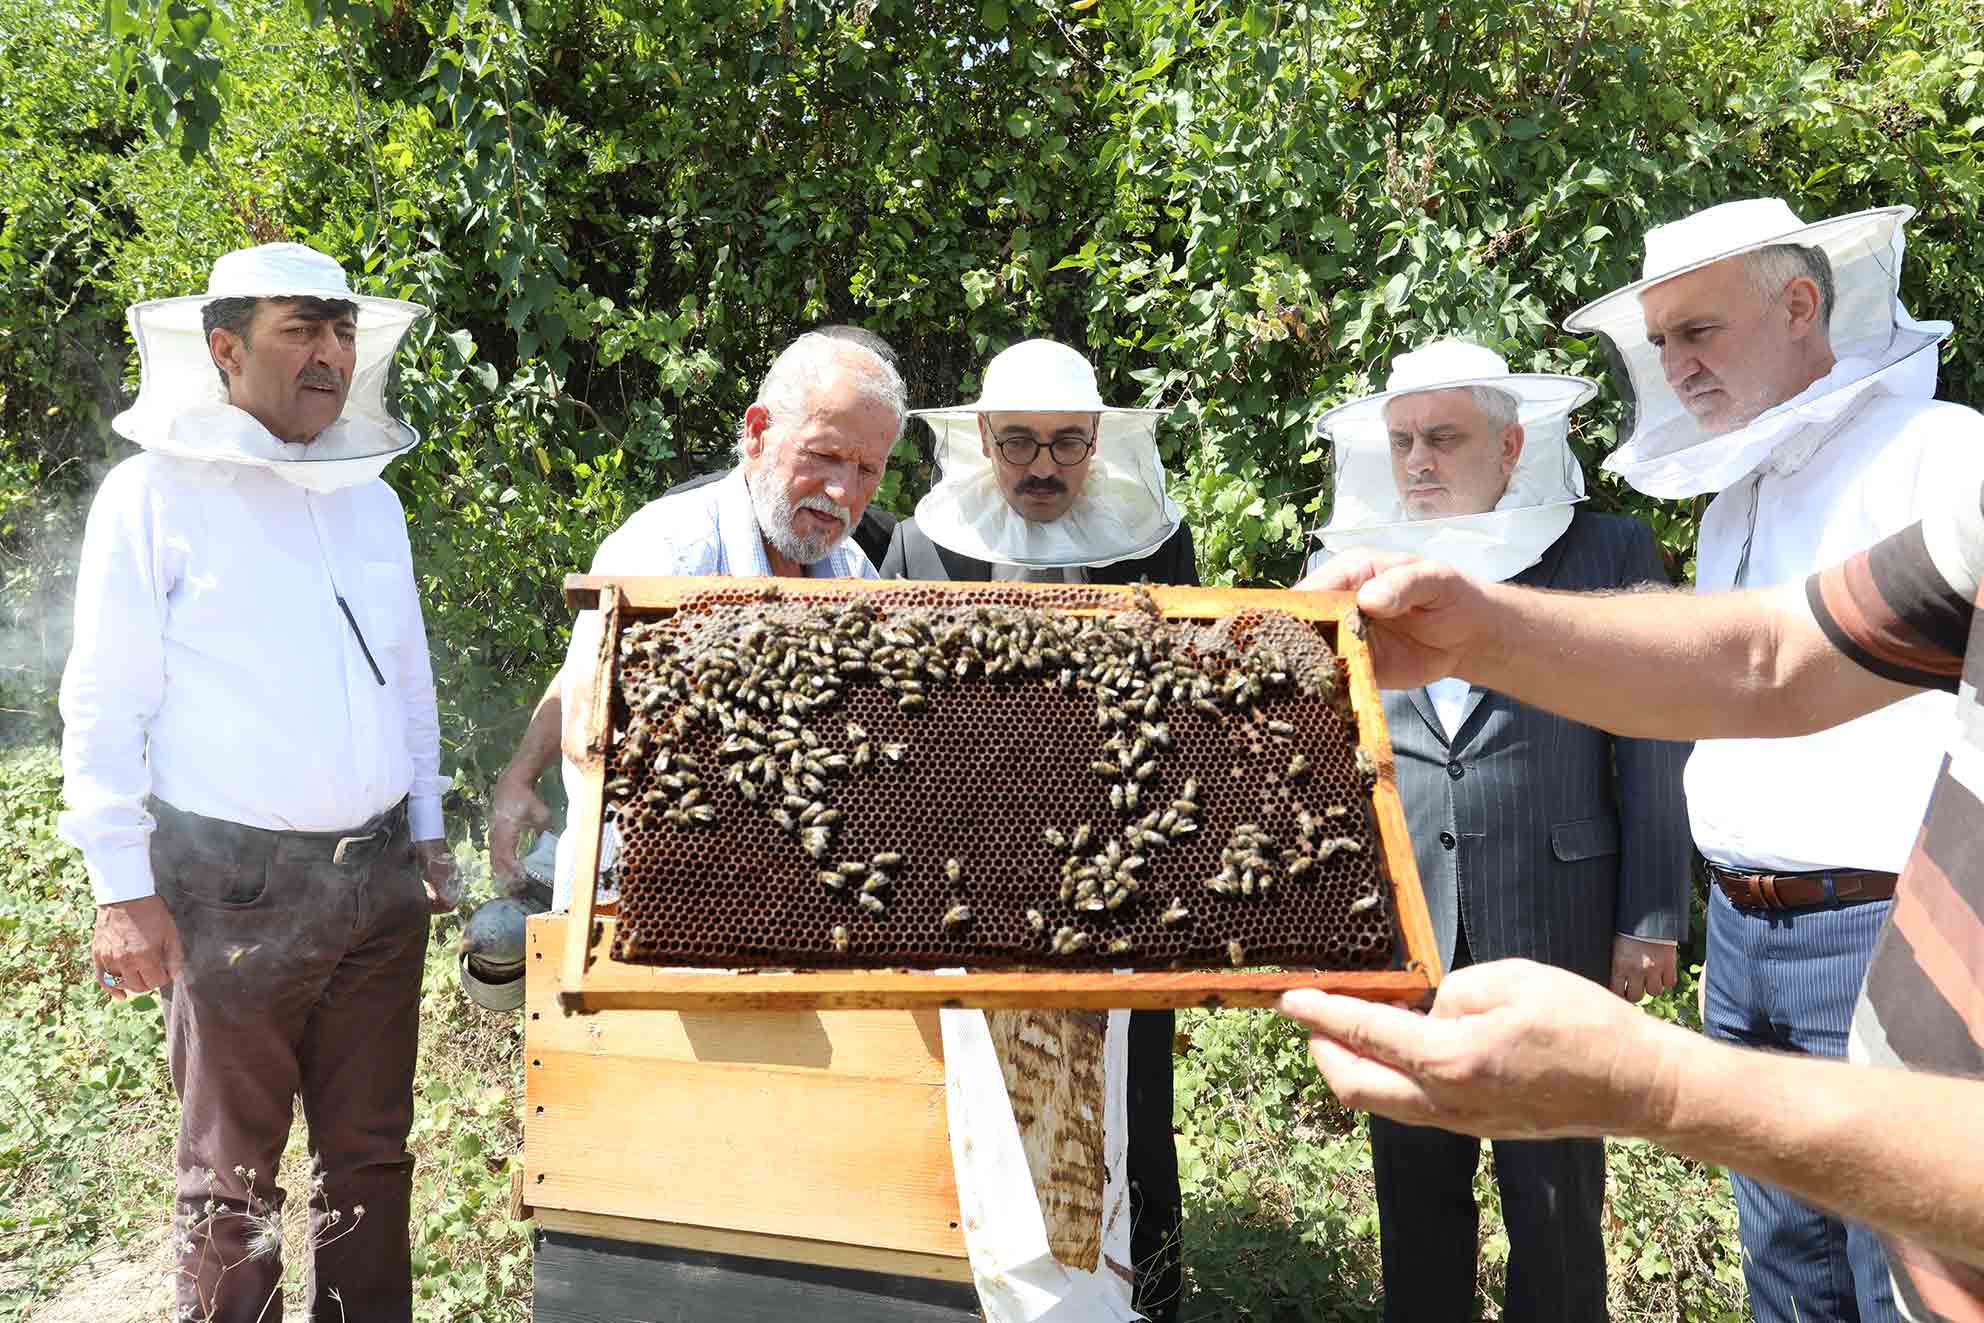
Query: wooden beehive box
pixel 814 1138
pixel 594 972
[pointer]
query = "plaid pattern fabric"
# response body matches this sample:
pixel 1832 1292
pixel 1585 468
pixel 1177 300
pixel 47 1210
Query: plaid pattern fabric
pixel 1906 609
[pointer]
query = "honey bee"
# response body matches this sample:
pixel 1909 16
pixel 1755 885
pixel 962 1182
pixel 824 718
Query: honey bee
pixel 953 871
pixel 1104 769
pixel 1116 797
pixel 1236 954
pixel 886 859
pixel 873 903
pixel 1174 914
pixel 957 916
pixel 851 868
pixel 1298 768
pixel 1146 770
pixel 786 822
pixel 894 752
pixel 1053 836
pixel 1300 866
pixel 1364 903
pixel 1036 920
pixel 912 703
pixel 1081 837
pixel 1190 790
pixel 814 840
pixel 831 880
pixel 1226 883
pixel 1120 946
pixel 1130 797
pixel 855 734
pixel 876 883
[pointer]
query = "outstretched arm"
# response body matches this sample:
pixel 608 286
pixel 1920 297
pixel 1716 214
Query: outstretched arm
pixel 1654 663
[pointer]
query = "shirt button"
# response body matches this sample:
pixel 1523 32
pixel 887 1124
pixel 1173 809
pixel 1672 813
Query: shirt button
pixel 1446 840
pixel 1456 771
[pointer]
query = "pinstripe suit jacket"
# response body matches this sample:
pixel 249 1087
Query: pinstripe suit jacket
pixel 1542 836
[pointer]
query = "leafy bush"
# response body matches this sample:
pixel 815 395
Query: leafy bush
pixel 619 211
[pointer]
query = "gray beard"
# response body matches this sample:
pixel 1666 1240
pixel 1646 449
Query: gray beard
pixel 775 510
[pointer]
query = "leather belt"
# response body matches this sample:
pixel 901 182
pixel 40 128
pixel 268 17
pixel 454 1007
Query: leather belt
pixel 1797 891
pixel 354 845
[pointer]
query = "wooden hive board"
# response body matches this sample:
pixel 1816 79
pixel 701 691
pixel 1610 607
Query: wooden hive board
pixel 592 978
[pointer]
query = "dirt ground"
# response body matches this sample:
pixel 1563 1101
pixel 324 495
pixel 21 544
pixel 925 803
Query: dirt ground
pixel 132 1285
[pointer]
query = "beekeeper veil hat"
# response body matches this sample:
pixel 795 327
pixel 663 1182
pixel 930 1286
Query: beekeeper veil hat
pixel 1534 510
pixel 1122 510
pixel 182 406
pixel 1874 341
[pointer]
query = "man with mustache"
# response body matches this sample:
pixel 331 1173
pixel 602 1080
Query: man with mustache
pixel 811 449
pixel 1039 481
pixel 251 764
pixel 1770 362
pixel 1535 837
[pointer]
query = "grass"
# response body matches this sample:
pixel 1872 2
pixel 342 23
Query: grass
pixel 1280 1222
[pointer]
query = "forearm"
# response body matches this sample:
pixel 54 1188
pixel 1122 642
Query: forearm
pixel 1900 1151
pixel 1672 665
pixel 539 746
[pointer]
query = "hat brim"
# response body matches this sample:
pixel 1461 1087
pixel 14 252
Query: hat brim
pixel 1538 395
pixel 1859 230
pixel 183 313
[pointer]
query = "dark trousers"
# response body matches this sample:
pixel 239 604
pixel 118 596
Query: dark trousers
pixel 1156 1207
pixel 1787 980
pixel 301 978
pixel 1553 1196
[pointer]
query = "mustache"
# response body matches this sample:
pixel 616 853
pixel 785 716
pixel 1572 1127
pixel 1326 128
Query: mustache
pixel 324 377
pixel 1044 486
pixel 826 505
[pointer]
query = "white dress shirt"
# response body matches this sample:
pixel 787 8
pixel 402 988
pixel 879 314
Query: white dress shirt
pixel 212 666
pixel 1449 702
pixel 1852 796
pixel 712 530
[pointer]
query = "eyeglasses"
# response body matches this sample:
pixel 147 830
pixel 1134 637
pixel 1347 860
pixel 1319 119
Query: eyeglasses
pixel 1021 450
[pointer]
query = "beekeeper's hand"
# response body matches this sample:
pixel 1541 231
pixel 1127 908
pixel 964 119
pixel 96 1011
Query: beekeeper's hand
pixel 135 947
pixel 513 806
pixel 438 875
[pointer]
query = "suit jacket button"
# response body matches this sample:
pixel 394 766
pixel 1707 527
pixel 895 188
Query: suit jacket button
pixel 1456 771
pixel 1446 840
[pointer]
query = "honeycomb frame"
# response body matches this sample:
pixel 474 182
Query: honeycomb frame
pixel 708 863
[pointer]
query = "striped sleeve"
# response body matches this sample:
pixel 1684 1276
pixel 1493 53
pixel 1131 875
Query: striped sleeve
pixel 1894 611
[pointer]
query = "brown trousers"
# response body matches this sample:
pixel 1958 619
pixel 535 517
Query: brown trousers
pixel 301 977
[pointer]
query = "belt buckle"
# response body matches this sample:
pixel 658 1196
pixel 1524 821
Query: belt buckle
pixel 346 842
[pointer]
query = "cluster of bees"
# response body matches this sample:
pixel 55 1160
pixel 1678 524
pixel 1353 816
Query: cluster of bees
pixel 764 694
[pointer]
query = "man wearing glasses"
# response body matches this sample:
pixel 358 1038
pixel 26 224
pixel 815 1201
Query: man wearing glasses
pixel 1038 481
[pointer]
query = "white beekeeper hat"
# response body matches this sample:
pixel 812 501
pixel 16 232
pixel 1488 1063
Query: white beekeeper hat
pixel 1365 510
pixel 182 406
pixel 1666 453
pixel 1123 510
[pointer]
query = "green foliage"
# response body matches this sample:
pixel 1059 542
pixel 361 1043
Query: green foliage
pixel 620 210
pixel 87 1116
pixel 1281 1221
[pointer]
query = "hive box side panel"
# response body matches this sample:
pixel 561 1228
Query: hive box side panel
pixel 589 1279
pixel 827 1126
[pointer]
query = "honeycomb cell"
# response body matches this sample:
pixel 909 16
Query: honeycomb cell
pixel 1100 786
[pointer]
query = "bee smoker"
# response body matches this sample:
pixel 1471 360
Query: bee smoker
pixel 490 956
